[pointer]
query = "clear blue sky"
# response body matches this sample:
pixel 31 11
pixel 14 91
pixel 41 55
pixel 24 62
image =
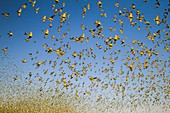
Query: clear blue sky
pixel 29 21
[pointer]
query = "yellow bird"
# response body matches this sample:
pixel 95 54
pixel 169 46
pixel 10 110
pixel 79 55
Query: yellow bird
pixel 152 39
pixel 72 75
pixel 131 66
pixel 121 31
pixel 133 42
pixel 122 41
pixel 92 79
pixel 62 53
pixel 110 45
pixel 24 6
pixel 99 4
pixel 88 6
pixel 117 4
pixel 74 54
pixel 82 26
pixel 15 78
pixel 145 65
pixel 157 20
pixel 19 12
pixel 84 10
pixel 53 6
pixel 103 15
pixel 10 33
pixel 33 3
pixel 56 1
pixel 92 31
pixel 98 23
pixel 99 98
pixel 120 22
pixel 38 63
pixel 50 18
pixel 105 70
pixel 137 59
pixel 36 10
pixel 29 35
pixel 82 37
pixel 24 60
pixel 133 6
pixel 123 89
pixel 63 17
pixel 44 18
pixel 61 10
pixel 46 32
pixel 58 50
pixel 49 50
pixel 5 50
pixel 138 12
pixel 138 28
pixel 45 45
pixel 116 37
pixel 45 71
pixel 149 37
pixel 5 14
pixel 100 47
pixel 52 37
pixel 130 16
pixel 80 55
pixel 64 34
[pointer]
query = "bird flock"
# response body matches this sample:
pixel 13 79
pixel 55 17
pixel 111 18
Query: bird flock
pixel 120 61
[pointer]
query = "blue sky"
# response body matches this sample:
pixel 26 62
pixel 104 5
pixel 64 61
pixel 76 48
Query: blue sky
pixel 29 21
